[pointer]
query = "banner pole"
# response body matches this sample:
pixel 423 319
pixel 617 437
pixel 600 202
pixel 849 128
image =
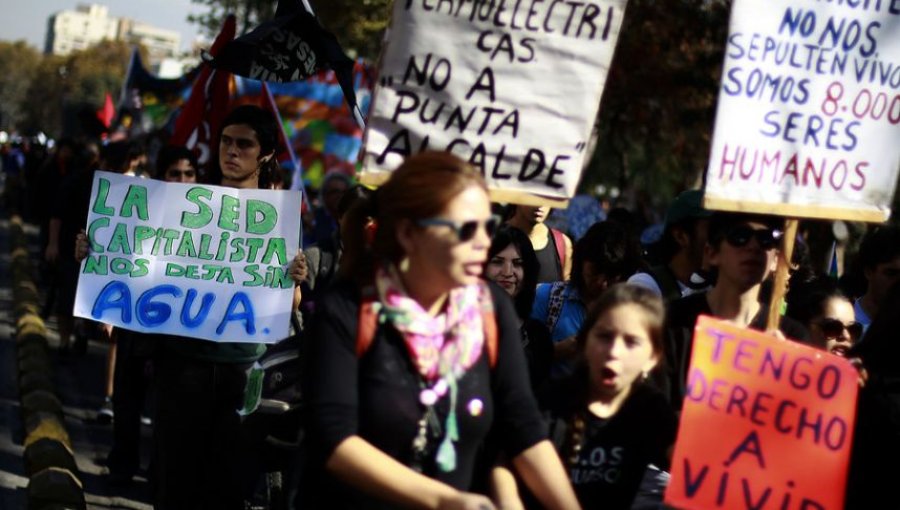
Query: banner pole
pixel 782 273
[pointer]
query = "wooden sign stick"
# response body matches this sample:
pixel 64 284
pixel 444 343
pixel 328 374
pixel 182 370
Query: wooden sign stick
pixel 782 273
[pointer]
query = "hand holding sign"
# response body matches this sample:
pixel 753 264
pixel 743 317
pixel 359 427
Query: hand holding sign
pixel 189 260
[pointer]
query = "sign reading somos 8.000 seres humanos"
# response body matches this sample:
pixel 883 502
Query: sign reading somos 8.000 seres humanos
pixel 808 119
pixel 513 87
pixel 190 260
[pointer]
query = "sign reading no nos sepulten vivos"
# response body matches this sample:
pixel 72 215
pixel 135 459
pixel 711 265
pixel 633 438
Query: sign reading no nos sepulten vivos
pixel 189 260
pixel 808 120
pixel 512 86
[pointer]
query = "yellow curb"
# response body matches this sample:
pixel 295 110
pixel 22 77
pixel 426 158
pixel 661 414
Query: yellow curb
pixel 30 319
pixel 48 427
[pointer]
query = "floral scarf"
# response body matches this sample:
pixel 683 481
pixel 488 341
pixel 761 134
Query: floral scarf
pixel 441 347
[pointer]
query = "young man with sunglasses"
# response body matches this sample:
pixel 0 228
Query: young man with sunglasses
pixel 743 251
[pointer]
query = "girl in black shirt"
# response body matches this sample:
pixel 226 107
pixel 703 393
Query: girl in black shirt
pixel 608 425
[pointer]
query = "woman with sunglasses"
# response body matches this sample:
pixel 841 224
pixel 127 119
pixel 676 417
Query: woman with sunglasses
pixel 401 407
pixel 827 313
pixel 742 250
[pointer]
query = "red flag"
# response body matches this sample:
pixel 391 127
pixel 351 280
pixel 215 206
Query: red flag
pixel 198 123
pixel 108 111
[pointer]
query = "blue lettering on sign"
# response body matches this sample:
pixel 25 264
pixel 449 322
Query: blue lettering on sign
pixel 151 313
pixel 231 314
pixel 115 295
pixel 205 304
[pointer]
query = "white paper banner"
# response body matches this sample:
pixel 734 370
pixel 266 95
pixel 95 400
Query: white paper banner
pixel 190 260
pixel 808 120
pixel 511 86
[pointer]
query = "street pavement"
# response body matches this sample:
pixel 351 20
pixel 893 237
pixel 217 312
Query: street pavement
pixel 79 384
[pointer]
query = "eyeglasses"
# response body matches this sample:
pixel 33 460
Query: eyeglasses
pixel 174 173
pixel 833 328
pixel 465 231
pixel 766 237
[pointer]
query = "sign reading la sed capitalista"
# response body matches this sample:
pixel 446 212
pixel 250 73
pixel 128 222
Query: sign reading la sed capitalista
pixel 189 259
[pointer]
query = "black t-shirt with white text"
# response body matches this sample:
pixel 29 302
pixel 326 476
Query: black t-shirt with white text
pixel 617 450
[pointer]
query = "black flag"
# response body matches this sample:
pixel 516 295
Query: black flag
pixel 291 47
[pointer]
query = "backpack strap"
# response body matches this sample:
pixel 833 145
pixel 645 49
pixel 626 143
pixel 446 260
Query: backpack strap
pixel 489 323
pixel 559 239
pixel 368 320
pixel 555 305
pixel 667 282
pixel 368 323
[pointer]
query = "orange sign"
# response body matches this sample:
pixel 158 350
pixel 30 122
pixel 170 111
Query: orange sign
pixel 767 424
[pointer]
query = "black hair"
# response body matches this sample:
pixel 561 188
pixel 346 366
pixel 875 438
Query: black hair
pixel 266 128
pixel 613 250
pixel 506 236
pixel 667 246
pixel 171 154
pixel 116 155
pixel 879 348
pixel 350 197
pixel 879 246
pixel 807 300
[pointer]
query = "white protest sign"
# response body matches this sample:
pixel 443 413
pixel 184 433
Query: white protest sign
pixel 190 260
pixel 808 120
pixel 512 86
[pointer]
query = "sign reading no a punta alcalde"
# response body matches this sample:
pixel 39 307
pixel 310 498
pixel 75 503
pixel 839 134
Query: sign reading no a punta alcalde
pixel 189 260
pixel 512 86
pixel 808 121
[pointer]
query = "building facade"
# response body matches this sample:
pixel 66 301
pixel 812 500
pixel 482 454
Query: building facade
pixel 87 25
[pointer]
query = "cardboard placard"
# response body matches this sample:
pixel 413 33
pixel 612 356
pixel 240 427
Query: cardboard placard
pixel 512 87
pixel 759 412
pixel 809 110
pixel 190 260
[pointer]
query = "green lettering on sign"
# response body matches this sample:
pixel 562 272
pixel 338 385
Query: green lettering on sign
pixel 204 212
pixel 92 229
pixel 135 198
pixel 100 206
pixel 261 217
pixel 186 247
pixel 276 247
pixel 228 216
pixel 119 240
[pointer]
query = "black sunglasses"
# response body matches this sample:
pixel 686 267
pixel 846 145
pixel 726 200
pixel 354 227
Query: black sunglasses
pixel 466 230
pixel 767 238
pixel 833 328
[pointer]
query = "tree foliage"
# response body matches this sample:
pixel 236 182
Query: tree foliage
pixel 248 13
pixel 61 85
pixel 656 117
pixel 358 24
pixel 18 64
